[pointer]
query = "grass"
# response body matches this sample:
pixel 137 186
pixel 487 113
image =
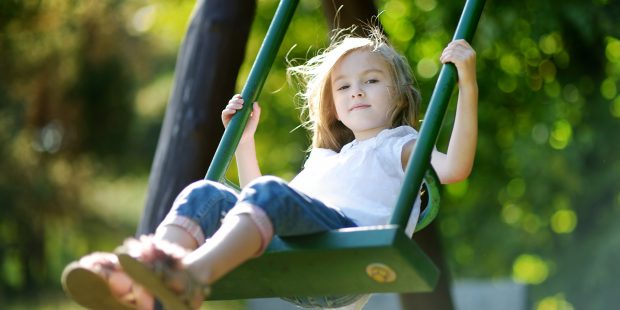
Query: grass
pixel 56 300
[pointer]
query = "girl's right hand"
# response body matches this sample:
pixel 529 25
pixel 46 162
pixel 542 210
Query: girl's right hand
pixel 236 103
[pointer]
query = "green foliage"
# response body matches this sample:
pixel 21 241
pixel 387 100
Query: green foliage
pixel 543 184
pixel 69 74
pixel 83 88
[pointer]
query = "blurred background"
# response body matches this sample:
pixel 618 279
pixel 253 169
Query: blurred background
pixel 84 87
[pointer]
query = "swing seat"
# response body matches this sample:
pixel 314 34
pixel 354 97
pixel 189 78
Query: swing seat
pixel 357 260
pixel 333 263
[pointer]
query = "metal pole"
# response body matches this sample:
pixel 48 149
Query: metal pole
pixel 251 90
pixel 420 158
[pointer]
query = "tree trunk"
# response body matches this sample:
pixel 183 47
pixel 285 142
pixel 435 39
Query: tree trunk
pixel 205 76
pixel 346 13
pixel 441 298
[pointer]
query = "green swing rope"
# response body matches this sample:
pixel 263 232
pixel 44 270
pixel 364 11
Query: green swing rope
pixel 258 74
pixel 420 158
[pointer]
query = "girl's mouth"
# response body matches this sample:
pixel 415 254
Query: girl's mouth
pixel 359 107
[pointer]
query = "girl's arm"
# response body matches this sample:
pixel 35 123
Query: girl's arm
pixel 247 164
pixel 456 164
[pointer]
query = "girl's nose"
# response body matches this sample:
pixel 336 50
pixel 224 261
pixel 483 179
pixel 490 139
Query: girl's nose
pixel 357 93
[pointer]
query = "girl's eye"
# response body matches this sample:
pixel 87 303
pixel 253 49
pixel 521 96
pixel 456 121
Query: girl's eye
pixel 372 81
pixel 343 87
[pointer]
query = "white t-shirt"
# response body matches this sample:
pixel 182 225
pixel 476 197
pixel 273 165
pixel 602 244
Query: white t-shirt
pixel 363 180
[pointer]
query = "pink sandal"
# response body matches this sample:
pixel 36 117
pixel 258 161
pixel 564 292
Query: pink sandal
pixel 155 264
pixel 87 282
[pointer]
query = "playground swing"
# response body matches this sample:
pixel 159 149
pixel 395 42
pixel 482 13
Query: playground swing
pixel 351 260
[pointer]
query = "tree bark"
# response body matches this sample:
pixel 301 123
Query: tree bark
pixel 346 13
pixel 441 298
pixel 206 72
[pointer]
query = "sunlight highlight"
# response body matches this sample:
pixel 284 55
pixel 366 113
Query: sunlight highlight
pixel 615 107
pixel 511 214
pixel 563 221
pixel 427 68
pixel 144 19
pixel 404 31
pixel 609 89
pixel 561 134
pixel 511 64
pixel 557 302
pixel 507 84
pixel 426 5
pixel 529 269
pixel 551 43
pixel 612 50
pixel 547 70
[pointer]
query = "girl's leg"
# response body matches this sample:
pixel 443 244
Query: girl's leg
pixel 235 242
pixel 291 212
pixel 196 214
pixel 265 207
pixel 177 235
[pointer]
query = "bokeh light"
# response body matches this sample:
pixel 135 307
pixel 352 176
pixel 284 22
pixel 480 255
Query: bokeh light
pixel 529 269
pixel 561 134
pixel 556 302
pixel 563 221
pixel 612 50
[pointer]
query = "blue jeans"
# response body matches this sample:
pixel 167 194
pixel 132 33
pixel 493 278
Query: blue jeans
pixel 291 213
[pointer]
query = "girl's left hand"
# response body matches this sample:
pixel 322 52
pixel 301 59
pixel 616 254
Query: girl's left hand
pixel 463 56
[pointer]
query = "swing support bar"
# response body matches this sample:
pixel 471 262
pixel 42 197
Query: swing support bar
pixel 419 161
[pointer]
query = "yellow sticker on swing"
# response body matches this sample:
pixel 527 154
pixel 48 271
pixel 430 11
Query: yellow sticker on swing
pixel 381 273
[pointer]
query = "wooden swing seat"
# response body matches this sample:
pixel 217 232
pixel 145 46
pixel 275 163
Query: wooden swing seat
pixel 346 261
pixel 333 263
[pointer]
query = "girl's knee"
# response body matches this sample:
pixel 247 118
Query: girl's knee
pixel 207 185
pixel 201 198
pixel 200 207
pixel 268 193
pixel 205 190
pixel 267 183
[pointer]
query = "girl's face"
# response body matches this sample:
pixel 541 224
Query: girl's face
pixel 362 90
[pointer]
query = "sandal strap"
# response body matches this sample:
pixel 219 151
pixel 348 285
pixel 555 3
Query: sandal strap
pixel 165 264
pixel 191 286
pixel 105 267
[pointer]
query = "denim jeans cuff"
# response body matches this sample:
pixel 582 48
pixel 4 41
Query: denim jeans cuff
pixel 260 218
pixel 187 224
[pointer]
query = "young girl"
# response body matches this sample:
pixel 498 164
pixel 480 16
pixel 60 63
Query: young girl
pixel 362 106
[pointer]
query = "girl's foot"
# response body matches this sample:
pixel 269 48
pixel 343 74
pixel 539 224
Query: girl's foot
pixel 156 265
pixel 96 281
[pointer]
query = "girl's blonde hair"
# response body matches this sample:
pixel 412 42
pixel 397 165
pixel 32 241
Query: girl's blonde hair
pixel 318 104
